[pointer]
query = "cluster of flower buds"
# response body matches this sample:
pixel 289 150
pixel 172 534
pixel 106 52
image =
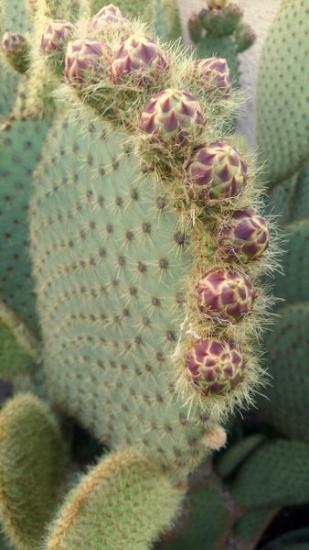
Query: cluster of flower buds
pixel 213 177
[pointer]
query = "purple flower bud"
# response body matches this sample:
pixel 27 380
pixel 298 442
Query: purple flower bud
pixel 225 295
pixel 217 172
pixel 83 60
pixel 16 50
pixel 172 115
pixel 139 58
pixel 215 367
pixel 245 237
pixel 215 72
pixel 13 43
pixel 56 35
pixel 107 16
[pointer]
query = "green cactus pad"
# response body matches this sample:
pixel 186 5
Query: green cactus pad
pixel 31 466
pixel 282 102
pixel 281 198
pixel 20 144
pixel 234 456
pixel 293 284
pixel 124 502
pixel 13 16
pixel 275 475
pixel 293 540
pixel 206 522
pixel 249 528
pixel 286 407
pixel 8 88
pixel 300 201
pixel 18 348
pixel 111 271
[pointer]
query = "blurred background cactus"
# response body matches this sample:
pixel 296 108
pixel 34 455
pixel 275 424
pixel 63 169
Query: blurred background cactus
pixel 103 292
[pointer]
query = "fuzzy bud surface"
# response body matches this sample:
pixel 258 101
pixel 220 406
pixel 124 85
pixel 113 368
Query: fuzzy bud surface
pixel 246 237
pixel 217 172
pixel 172 115
pixel 225 295
pixel 215 367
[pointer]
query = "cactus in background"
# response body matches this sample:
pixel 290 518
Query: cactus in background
pixel 13 19
pixel 21 139
pixel 283 144
pixel 218 30
pixel 148 326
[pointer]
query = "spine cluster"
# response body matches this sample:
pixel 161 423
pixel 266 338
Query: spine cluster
pixel 171 107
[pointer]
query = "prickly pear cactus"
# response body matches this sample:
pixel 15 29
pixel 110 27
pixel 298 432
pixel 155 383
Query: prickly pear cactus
pixel 13 18
pixel 218 30
pixel 148 321
pixel 283 146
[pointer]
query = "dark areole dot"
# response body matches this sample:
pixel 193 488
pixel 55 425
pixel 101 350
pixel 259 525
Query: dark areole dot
pixel 101 201
pixel 163 263
pixel 129 235
pixel 155 301
pixel 170 336
pixel 180 238
pixel 179 297
pixel 146 228
pixel 119 202
pixel 142 268
pixel 109 228
pixel 122 261
pixel 133 291
pixel 161 202
pixel 115 163
pixel 134 194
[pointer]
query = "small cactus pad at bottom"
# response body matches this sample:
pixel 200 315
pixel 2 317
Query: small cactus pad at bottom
pixel 123 502
pixel 31 468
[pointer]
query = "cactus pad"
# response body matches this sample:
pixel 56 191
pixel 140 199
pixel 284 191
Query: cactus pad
pixel 20 144
pixel 31 467
pixel 283 117
pixel 124 489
